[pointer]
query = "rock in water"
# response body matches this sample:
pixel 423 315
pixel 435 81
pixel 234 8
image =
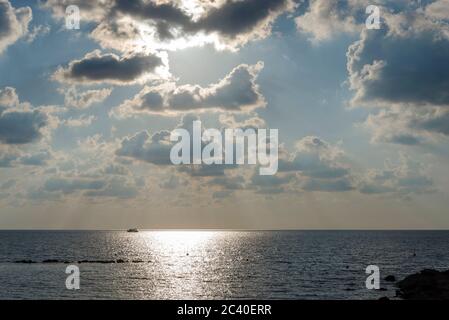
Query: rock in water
pixel 390 278
pixel 425 285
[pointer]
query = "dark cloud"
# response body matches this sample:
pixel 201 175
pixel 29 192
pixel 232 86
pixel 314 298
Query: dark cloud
pixel 405 139
pixel 98 68
pixel 403 67
pixel 400 69
pixel 239 17
pixel 436 121
pixel 161 12
pixel 21 127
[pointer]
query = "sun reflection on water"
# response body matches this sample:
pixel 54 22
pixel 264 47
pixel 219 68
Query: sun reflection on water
pixel 187 261
pixel 180 241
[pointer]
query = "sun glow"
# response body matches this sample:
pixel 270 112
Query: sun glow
pixel 148 39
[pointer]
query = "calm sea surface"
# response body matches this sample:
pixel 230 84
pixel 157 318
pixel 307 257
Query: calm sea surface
pixel 213 265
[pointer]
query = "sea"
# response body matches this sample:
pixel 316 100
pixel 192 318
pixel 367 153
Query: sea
pixel 213 264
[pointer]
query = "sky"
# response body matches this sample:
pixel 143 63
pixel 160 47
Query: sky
pixel 86 114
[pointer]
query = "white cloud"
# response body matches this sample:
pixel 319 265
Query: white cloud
pixel 13 23
pixel 237 92
pixel 85 99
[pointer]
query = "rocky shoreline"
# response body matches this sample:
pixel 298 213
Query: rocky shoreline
pixel 428 284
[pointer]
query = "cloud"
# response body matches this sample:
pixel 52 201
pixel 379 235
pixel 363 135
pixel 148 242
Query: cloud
pixel 239 21
pixel 403 68
pixel 438 10
pixel 8 184
pixel 125 25
pixel 315 165
pixel 405 178
pixel 7 157
pixel 408 125
pixel 315 158
pixel 20 123
pixel 102 187
pixel 91 10
pixel 227 24
pixel 21 127
pixel 96 67
pixel 393 66
pixel 336 185
pixel 115 169
pixel 212 170
pixel 13 156
pixel 70 185
pixel 221 194
pixel 142 146
pixel 270 182
pixel 8 97
pixel 85 99
pixel 253 122
pixel 156 148
pixel 237 92
pixel 13 23
pixel 325 169
pixel 171 183
pixel 325 19
pixel 36 159
pixel 37 31
pixel 229 182
pixel 83 121
pixel 118 187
